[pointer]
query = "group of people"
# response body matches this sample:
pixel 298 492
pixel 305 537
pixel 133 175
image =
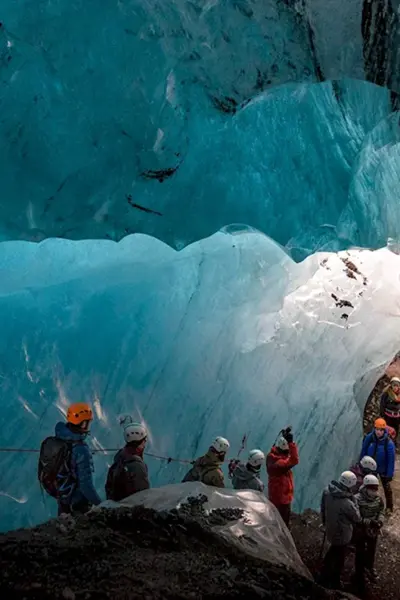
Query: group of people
pixel 351 508
pixel 66 466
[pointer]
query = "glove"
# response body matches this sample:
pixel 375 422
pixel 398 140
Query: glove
pixel 367 522
pixel 289 438
pixel 378 524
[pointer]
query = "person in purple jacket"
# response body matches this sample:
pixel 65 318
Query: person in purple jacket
pixel 366 466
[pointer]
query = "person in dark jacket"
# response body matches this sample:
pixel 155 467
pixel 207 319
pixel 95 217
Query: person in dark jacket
pixel 207 468
pixel 129 474
pixel 379 445
pixel 366 466
pixel 339 513
pixel 280 461
pixel 75 430
pixel 371 508
pixel 247 476
pixel 390 404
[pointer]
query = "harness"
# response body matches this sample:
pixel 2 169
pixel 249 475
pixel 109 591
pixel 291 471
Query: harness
pixel 392 413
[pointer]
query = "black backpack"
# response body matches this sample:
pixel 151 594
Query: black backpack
pixel 117 476
pixel 54 468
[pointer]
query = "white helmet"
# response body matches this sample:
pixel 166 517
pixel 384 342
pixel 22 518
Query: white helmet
pixel 256 458
pixel 367 462
pixel 282 444
pixel 135 432
pixel 395 381
pixel 220 445
pixel 370 480
pixel 348 479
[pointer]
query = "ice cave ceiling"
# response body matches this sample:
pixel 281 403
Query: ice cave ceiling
pixel 169 118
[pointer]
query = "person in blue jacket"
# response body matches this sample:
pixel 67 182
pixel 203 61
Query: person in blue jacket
pixel 83 493
pixel 380 446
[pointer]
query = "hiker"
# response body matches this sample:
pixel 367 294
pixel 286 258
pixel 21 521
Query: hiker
pixel 128 474
pixel 207 468
pixel 339 513
pixel 390 405
pixel 379 445
pixel 366 466
pixel 65 463
pixel 281 459
pixel 371 509
pixel 247 476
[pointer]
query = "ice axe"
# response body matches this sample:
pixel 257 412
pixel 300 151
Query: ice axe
pixel 233 463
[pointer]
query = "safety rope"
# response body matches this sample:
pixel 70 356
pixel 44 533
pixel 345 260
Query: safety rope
pixel 169 459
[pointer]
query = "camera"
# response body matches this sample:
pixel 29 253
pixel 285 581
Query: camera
pixel 286 431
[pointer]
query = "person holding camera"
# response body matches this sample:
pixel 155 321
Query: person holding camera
pixel 282 457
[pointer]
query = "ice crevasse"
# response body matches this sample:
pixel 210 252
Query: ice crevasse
pixel 226 337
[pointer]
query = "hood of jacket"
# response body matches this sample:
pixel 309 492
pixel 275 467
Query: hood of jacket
pixel 380 440
pixel 128 453
pixel 277 453
pixel 209 459
pixel 242 473
pixel 63 432
pixel 337 490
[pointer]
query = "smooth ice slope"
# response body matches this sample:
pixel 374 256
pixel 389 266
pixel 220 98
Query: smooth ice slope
pixel 174 107
pixel 227 337
pixel 260 532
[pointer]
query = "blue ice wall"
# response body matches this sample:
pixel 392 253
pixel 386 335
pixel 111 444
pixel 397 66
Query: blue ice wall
pixel 226 337
pixel 168 107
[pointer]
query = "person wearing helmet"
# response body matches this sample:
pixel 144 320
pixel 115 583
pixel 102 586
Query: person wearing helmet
pixel 365 466
pixel 75 431
pixel 247 476
pixel 281 459
pixel 390 404
pixel 379 445
pixel 339 513
pixel 366 533
pixel 207 468
pixel 128 474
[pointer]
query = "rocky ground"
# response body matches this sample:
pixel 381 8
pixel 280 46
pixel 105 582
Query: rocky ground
pixel 137 553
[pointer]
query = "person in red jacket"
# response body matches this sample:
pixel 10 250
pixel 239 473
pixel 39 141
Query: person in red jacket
pixel 280 461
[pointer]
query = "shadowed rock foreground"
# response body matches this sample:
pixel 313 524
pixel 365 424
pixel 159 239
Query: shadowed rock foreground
pixel 139 553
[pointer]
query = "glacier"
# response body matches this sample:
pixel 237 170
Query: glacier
pixel 229 336
pixel 176 120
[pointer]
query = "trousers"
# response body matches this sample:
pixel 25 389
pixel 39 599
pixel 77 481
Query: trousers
pixel 333 566
pixel 387 489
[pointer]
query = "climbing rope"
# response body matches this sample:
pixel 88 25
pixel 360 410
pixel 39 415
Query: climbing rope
pixel 168 459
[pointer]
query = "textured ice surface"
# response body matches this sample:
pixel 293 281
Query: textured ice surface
pixel 226 337
pixel 144 103
pixel 260 532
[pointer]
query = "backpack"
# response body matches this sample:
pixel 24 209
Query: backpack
pixel 117 479
pixel 197 473
pixel 54 469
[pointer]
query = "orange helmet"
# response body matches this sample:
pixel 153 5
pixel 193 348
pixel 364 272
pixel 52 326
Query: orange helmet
pixel 380 423
pixel 79 412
